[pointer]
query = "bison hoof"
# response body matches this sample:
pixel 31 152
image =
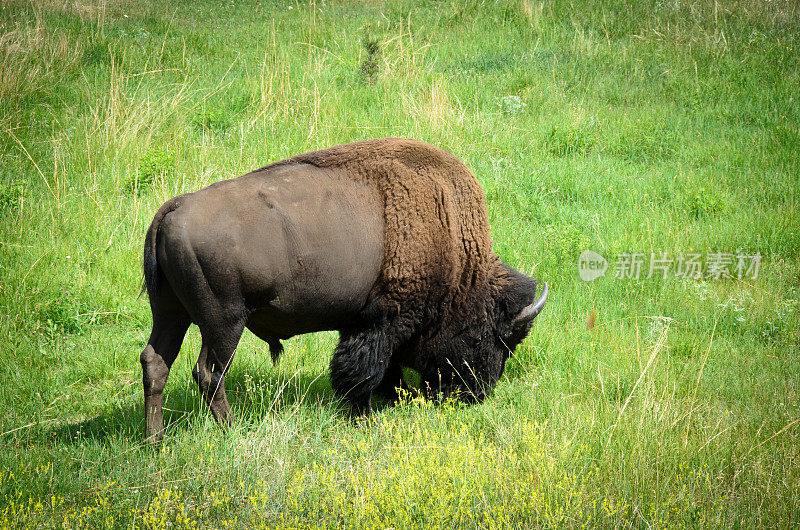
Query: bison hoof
pixel 361 409
pixel 155 439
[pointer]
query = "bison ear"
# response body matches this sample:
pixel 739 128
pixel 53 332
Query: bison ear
pixel 528 313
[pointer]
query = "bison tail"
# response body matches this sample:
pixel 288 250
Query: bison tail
pixel 150 260
pixel 275 350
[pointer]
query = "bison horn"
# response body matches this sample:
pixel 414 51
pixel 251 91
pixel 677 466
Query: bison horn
pixel 529 313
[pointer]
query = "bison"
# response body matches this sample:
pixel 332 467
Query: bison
pixel 386 241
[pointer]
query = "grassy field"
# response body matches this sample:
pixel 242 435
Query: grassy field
pixel 664 126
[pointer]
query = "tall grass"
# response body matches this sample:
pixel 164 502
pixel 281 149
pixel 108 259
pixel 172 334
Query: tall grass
pixel 617 127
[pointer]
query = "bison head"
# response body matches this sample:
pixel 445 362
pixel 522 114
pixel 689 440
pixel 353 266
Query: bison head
pixel 472 356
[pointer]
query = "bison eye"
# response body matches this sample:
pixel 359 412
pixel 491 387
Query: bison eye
pixel 516 335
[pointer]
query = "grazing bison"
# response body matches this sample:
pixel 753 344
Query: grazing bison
pixel 386 241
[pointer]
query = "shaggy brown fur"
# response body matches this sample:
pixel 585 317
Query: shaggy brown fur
pixel 438 247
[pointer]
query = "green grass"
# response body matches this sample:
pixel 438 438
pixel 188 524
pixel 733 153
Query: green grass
pixel 667 126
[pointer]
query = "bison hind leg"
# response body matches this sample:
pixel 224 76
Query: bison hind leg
pixel 170 322
pixel 216 353
pixel 358 366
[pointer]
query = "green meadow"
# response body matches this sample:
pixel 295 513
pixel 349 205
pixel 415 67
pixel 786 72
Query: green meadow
pixel 642 130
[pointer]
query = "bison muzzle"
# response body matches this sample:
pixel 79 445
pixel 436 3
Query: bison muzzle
pixel 386 241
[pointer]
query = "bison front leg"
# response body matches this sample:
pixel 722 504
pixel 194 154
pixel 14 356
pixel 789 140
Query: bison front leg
pixel 392 382
pixel 157 358
pixel 216 354
pixel 358 366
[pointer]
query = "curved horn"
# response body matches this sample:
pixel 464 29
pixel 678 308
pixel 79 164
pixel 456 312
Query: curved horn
pixel 529 313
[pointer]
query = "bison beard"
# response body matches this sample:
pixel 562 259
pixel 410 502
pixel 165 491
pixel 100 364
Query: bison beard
pixel 424 289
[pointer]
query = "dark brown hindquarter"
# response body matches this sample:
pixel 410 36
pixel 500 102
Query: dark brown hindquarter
pixel 303 246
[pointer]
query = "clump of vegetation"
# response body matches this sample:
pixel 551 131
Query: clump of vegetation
pixel 704 201
pixel 511 104
pixel 219 114
pixel 58 319
pixel 564 242
pixel 63 313
pixel 212 117
pixel 370 66
pixel 11 194
pixel 97 53
pixel 646 143
pixel 157 163
pixel 574 135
